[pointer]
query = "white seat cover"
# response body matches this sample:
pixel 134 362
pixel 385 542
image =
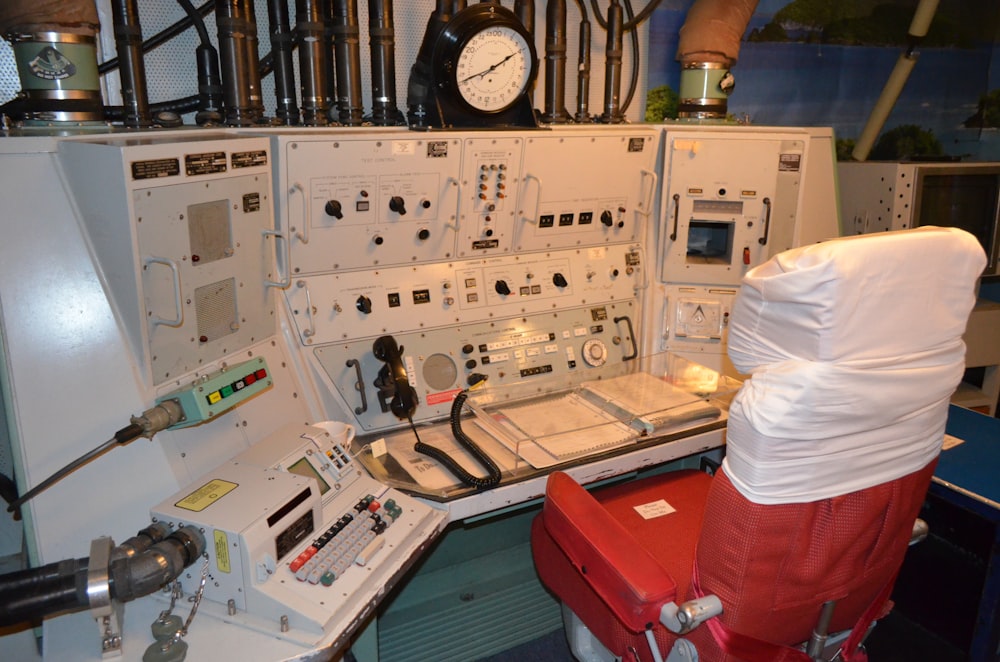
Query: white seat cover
pixel 854 347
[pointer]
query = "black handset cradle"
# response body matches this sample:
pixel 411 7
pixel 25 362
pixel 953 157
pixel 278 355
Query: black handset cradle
pixel 394 391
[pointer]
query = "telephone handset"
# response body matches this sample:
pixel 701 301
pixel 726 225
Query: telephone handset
pixel 392 381
pixel 393 385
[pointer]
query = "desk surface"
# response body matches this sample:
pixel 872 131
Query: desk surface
pixel 971 467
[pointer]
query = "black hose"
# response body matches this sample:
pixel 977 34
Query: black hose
pixel 613 65
pixel 282 44
pixel 632 23
pixel 555 62
pixel 30 594
pixel 132 72
pixel 382 40
pixel 161 37
pixel 313 59
pixel 448 461
pixel 633 83
pixel 209 77
pixel 347 49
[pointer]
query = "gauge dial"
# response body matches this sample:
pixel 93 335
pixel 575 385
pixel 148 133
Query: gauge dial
pixel 493 68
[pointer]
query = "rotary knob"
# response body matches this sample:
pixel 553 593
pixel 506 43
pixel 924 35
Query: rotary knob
pixel 397 204
pixel 364 304
pixel 502 287
pixel 334 208
pixel 606 218
pixel 559 280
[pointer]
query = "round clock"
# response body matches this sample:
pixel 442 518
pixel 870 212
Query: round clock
pixel 482 67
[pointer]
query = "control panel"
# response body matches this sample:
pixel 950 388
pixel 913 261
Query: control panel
pixel 294 527
pixel 183 231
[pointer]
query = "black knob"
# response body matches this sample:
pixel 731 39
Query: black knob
pixel 559 280
pixel 470 364
pixel 606 218
pixel 364 304
pixel 468 348
pixel 397 204
pixel 426 204
pixel 502 287
pixel 423 234
pixel 334 208
pixel 378 239
pixel 475 378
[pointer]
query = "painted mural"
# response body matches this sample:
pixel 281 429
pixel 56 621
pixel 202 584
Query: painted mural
pixel 824 63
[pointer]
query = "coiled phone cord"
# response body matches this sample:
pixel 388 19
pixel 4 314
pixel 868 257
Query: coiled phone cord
pixel 448 461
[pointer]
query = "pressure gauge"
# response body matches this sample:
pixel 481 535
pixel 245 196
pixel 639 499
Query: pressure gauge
pixel 475 69
pixel 493 68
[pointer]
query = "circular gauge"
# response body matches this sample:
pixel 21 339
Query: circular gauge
pixel 493 68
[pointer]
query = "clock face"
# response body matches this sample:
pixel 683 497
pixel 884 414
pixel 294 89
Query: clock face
pixel 493 68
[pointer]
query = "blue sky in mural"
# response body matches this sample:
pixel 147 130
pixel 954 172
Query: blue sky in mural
pixel 788 83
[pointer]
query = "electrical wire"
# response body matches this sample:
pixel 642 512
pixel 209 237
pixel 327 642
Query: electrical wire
pixel 633 84
pixel 448 461
pixel 161 37
pixel 630 24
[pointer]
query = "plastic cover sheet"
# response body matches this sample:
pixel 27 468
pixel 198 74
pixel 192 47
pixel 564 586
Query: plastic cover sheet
pixel 854 347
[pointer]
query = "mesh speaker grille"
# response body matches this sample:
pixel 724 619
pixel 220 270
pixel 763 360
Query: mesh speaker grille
pixel 215 306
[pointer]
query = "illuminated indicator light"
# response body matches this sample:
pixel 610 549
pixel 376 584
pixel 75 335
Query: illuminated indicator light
pixel 239 385
pixel 695 191
pixel 250 379
pixel 226 391
pixel 748 193
pixel 213 398
pixel 260 374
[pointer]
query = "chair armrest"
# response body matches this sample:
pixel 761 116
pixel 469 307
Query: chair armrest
pixel 625 576
pixel 689 615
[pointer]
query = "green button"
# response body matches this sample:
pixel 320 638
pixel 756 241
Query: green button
pixel 226 391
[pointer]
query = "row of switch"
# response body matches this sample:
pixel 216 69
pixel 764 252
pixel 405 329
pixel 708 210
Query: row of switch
pixel 397 204
pixel 585 218
pixel 503 288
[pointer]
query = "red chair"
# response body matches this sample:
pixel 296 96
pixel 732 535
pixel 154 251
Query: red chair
pixel 790 551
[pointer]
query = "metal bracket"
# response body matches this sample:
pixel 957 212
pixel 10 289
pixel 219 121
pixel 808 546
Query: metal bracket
pixel 108 612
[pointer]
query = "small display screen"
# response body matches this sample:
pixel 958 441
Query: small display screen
pixel 967 201
pixel 304 468
pixel 710 242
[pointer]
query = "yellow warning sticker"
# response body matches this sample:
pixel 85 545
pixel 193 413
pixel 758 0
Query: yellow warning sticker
pixel 206 495
pixel 222 551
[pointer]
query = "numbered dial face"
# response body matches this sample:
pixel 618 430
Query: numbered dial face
pixel 493 68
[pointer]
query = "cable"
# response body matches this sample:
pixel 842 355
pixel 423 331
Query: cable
pixel 147 424
pixel 161 37
pixel 633 83
pixel 632 23
pixel 455 418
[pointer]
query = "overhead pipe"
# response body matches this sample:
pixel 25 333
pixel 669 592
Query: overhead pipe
pixel 708 46
pixel 282 40
pixel 897 79
pixel 347 52
pixel 583 70
pixel 313 61
pixel 382 38
pixel 613 65
pixel 250 43
pixel 555 63
pixel 234 25
pixel 418 87
pixel 131 67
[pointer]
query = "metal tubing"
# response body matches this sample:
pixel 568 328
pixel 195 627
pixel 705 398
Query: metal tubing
pixel 282 37
pixel 313 60
pixel 253 61
pixel 347 51
pixel 382 37
pixel 583 75
pixel 613 65
pixel 555 62
pixel 233 28
pixel 132 68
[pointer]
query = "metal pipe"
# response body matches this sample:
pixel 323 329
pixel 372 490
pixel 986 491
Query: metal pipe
pixel 132 68
pixel 347 51
pixel 382 37
pixel 313 58
pixel 250 43
pixel 418 90
pixel 555 62
pixel 231 20
pixel 282 37
pixel 583 74
pixel 613 65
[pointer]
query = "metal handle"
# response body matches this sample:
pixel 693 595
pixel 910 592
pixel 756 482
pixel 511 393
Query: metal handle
pixel 310 331
pixel 302 234
pixel 538 196
pixel 286 279
pixel 359 386
pixel 179 320
pixel 767 221
pixel 677 213
pixel 458 202
pixel 631 335
pixel 647 207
